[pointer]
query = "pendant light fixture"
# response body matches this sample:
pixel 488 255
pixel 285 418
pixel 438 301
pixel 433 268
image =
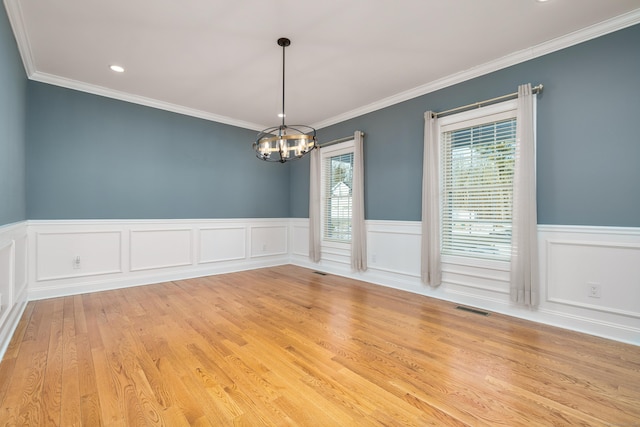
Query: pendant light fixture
pixel 285 142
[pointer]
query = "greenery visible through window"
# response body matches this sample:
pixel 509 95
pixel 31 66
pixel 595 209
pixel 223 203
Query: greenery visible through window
pixel 337 191
pixel 477 184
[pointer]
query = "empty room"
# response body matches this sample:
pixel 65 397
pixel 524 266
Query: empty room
pixel 337 213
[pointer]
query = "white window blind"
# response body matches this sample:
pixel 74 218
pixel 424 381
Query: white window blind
pixel 477 186
pixel 337 180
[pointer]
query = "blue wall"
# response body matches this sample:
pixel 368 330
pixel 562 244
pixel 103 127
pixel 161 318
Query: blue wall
pixel 91 157
pixel 94 157
pixel 13 94
pixel 588 141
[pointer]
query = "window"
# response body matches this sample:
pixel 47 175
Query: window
pixel 337 179
pixel 477 151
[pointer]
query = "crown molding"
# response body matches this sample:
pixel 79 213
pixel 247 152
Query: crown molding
pixel 14 13
pixel 137 99
pixel 571 39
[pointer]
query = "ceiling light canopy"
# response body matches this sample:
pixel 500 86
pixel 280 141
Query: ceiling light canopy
pixel 284 142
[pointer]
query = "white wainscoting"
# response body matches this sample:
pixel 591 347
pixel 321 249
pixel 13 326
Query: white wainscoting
pixel 72 257
pixel 571 259
pixel 56 258
pixel 13 279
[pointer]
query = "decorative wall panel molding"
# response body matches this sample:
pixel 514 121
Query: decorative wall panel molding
pixel 222 244
pixel 139 252
pixel 7 251
pixel 394 247
pixel 64 255
pixel 268 240
pixel 299 238
pixel 13 278
pixel 160 248
pixel 21 257
pixel 602 276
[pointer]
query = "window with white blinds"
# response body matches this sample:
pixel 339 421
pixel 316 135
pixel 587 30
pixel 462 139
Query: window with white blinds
pixel 337 179
pixel 478 157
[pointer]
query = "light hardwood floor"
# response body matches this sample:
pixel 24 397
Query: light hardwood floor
pixel 285 346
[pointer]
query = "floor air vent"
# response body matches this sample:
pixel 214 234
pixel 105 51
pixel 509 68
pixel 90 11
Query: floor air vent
pixel 472 310
pixel 320 273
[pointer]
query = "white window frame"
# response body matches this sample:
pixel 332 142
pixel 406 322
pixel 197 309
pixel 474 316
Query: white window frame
pixel 496 112
pixel 325 153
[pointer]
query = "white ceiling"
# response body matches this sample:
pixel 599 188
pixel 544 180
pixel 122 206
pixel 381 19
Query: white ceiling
pixel 218 59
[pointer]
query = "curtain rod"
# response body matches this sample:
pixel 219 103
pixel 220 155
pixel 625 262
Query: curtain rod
pixel 338 141
pixel 535 89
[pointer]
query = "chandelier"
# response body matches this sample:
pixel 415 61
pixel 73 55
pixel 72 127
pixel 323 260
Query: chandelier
pixel 285 142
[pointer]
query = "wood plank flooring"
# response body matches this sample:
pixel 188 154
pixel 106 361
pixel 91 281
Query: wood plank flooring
pixel 285 346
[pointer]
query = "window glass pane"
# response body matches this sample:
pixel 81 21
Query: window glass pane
pixel 338 173
pixel 477 165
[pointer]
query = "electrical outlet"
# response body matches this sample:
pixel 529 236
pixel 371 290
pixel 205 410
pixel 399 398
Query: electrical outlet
pixel 374 258
pixel 76 262
pixel 593 290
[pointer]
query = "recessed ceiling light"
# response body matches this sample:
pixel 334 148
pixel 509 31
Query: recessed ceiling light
pixel 116 68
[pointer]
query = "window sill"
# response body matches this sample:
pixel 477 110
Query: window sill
pixel 476 262
pixel 336 245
